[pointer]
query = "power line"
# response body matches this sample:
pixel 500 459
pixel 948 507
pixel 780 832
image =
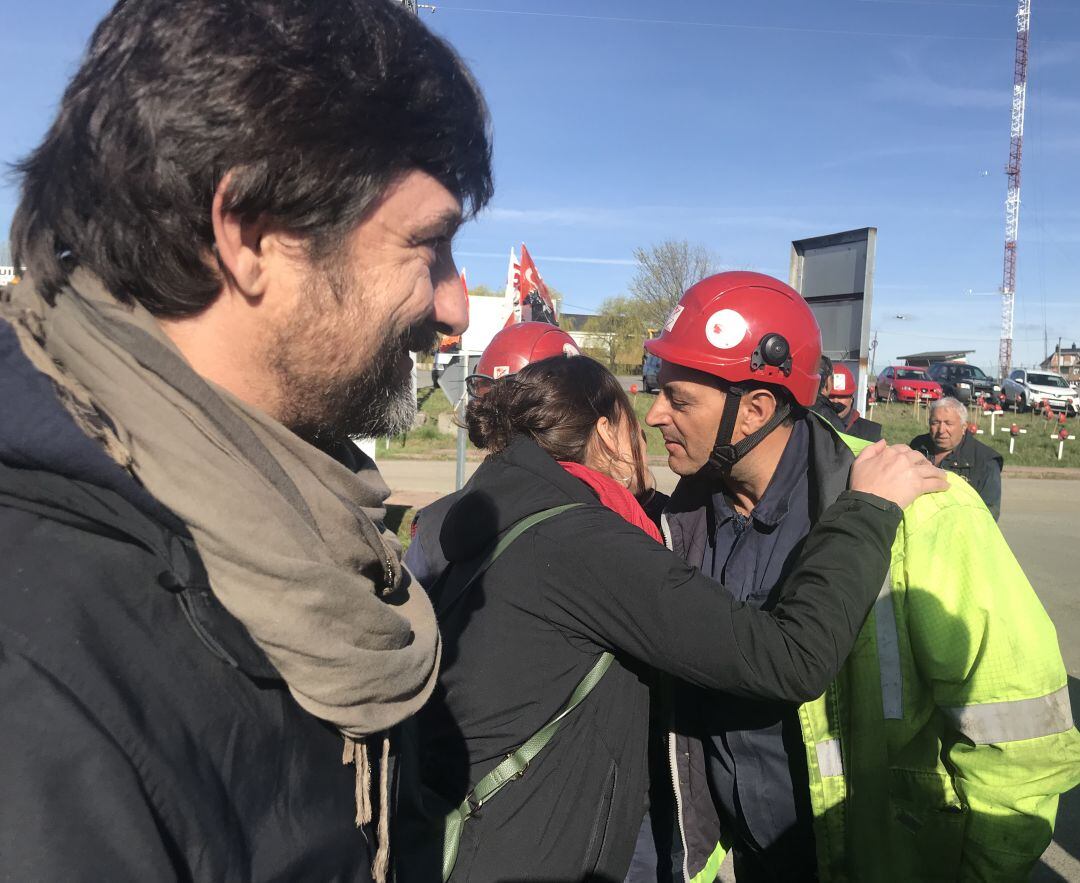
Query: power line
pixel 714 24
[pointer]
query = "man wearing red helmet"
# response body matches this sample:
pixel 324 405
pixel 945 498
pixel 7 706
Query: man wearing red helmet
pixel 836 402
pixel 909 766
pixel 508 352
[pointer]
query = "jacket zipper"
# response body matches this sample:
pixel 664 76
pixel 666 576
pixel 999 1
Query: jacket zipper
pixel 673 769
pixel 665 531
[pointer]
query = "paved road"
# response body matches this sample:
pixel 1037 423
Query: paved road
pixel 1041 520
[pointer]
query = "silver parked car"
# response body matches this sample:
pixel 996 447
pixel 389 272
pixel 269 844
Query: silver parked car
pixel 1030 388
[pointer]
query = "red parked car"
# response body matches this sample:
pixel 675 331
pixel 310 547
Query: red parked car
pixel 899 383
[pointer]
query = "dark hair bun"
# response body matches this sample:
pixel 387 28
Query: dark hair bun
pixel 556 402
pixel 488 418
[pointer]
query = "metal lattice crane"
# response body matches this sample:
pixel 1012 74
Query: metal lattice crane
pixel 1012 201
pixel 414 7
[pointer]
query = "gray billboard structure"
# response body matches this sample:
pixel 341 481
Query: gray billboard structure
pixel 835 274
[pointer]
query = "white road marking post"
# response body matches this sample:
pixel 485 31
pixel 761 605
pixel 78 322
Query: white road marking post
pixel 1013 431
pixel 1062 437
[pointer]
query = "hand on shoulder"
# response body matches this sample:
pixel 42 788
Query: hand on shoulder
pixel 896 473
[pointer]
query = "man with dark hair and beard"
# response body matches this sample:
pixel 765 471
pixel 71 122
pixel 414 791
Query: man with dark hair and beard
pixel 234 232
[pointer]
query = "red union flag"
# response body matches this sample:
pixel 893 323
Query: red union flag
pixel 536 304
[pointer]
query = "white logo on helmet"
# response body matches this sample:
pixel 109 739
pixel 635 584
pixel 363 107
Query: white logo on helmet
pixel 839 382
pixel 725 329
pixel 569 349
pixel 673 318
pixel 500 371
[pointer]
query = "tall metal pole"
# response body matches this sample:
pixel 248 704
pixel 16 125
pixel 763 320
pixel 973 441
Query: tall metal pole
pixel 459 472
pixel 1012 201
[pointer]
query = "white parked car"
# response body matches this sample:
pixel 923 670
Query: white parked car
pixel 1030 388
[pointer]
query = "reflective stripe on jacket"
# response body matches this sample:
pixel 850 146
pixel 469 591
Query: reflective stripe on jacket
pixel 940 750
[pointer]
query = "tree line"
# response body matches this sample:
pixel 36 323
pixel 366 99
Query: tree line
pixel 664 272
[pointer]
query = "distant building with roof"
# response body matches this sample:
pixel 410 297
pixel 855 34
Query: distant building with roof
pixel 574 325
pixel 1066 361
pixel 574 321
pixel 925 360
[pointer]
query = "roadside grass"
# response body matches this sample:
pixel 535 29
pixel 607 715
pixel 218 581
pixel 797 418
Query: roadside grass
pixel 1035 448
pixel 426 441
pixel 399 519
pixel 899 421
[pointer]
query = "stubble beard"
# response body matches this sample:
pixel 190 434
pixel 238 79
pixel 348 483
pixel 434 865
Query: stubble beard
pixel 329 392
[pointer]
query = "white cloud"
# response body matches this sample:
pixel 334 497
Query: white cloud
pixel 567 217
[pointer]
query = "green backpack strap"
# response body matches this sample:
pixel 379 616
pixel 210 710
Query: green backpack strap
pixel 513 766
pixel 444 604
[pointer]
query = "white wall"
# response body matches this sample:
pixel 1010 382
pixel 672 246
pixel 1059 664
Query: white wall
pixel 487 316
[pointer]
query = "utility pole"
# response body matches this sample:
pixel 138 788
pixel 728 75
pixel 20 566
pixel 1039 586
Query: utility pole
pixel 1012 201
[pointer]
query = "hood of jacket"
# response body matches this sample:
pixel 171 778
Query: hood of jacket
pixel 49 466
pixel 513 484
pixel 46 460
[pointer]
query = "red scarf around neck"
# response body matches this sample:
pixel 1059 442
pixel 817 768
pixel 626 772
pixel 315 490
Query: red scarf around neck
pixel 613 495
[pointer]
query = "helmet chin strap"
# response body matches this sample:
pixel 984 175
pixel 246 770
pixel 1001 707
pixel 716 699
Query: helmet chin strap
pixel 724 453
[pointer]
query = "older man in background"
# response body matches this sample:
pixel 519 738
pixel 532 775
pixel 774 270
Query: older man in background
pixel 949 445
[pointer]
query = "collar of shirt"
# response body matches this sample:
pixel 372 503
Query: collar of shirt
pixel 776 501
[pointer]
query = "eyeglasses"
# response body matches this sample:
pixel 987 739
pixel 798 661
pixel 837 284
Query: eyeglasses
pixel 478 384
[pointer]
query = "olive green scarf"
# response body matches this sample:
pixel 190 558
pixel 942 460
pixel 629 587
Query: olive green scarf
pixel 293 542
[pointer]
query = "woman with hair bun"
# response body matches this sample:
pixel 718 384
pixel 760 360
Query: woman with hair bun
pixel 561 602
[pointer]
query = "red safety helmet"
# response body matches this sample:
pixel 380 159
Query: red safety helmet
pixel 515 347
pixel 843 383
pixel 745 327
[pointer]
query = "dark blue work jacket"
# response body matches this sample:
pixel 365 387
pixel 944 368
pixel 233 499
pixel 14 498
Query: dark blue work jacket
pixel 756 761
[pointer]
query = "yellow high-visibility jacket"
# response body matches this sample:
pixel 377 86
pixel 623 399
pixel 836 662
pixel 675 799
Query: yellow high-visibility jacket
pixel 940 750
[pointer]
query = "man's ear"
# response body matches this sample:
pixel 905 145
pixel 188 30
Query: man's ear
pixel 758 407
pixel 241 247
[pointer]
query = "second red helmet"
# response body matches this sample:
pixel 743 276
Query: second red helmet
pixel 522 344
pixel 745 327
pixel 843 383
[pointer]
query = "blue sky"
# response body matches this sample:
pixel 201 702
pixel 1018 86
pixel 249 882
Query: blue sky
pixel 741 126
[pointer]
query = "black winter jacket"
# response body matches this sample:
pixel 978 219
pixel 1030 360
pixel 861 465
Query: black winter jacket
pixel 532 626
pixel 978 464
pixel 144 735
pixel 853 425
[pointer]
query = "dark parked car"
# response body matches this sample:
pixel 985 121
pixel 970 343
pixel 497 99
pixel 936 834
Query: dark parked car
pixel 964 382
pixel 650 373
